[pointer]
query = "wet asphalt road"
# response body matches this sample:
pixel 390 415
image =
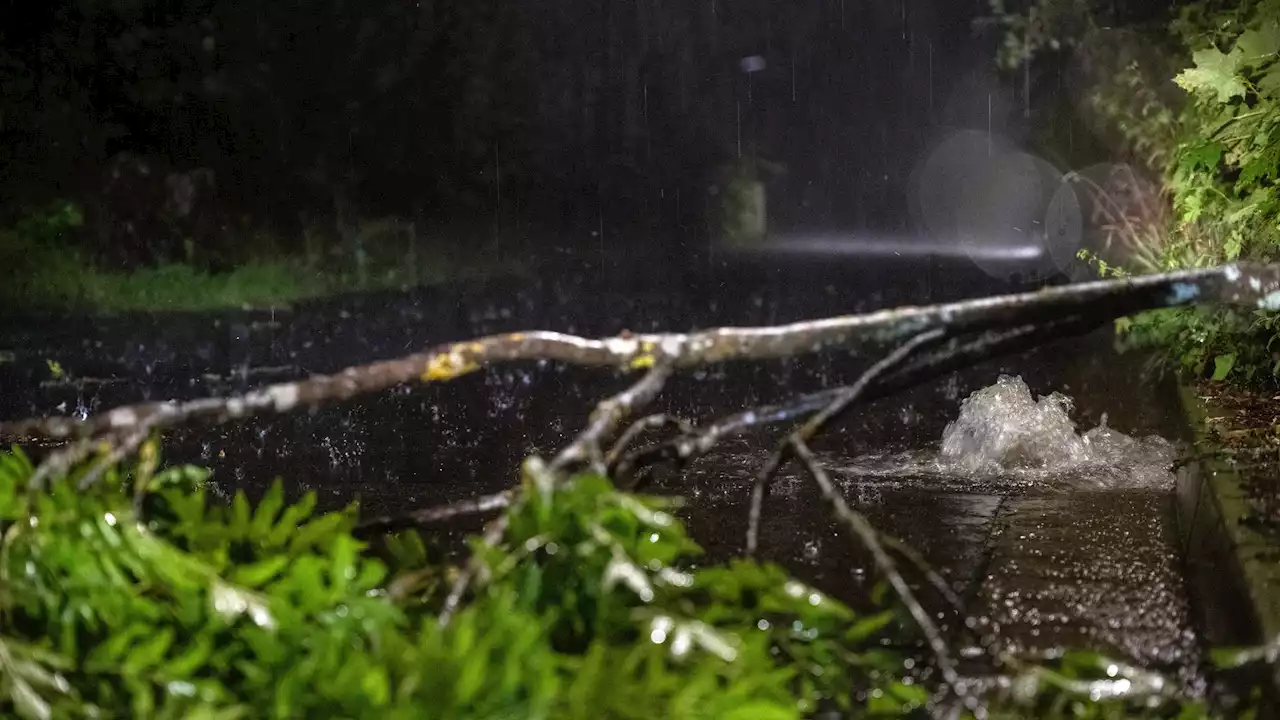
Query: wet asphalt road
pixel 1039 567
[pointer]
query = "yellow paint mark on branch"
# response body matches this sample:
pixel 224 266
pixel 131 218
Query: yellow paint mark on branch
pixel 148 459
pixel 644 357
pixel 447 366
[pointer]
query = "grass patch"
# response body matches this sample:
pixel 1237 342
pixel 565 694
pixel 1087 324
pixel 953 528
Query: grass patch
pixel 47 274
pixel 171 287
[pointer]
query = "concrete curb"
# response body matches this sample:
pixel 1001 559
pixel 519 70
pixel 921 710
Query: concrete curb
pixel 1234 586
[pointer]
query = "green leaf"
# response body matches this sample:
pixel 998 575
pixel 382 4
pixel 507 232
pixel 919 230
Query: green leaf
pixel 762 710
pixel 28 702
pixel 1222 365
pixel 868 626
pixel 292 517
pixel 1262 166
pixel 1202 156
pixel 1228 658
pixel 318 530
pixel 260 573
pixel 241 514
pixel 150 652
pixel 1259 44
pixel 1268 83
pixel 376 686
pixel 268 508
pixel 342 567
pixel 1214 73
pixel 194 655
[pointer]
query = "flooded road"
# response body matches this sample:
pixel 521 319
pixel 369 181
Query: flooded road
pixel 1042 558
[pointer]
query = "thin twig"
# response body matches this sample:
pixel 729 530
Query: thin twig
pixel 61 461
pixel 641 426
pixel 690 446
pixel 439 513
pixel 935 579
pixel 501 500
pixel 119 450
pixel 492 536
pixel 806 431
pixel 862 529
pixel 112 448
pixel 609 413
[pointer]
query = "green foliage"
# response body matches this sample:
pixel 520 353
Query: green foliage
pixel 1120 72
pixel 141 597
pixel 1078 684
pixel 740 207
pixel 1224 173
pixel 144 599
pixel 1221 344
pixel 1105 269
pixel 1217 148
pixel 1222 179
pixel 51 225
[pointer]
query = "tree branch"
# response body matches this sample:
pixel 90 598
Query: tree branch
pixel 957 354
pixel 588 446
pixel 439 513
pixel 857 524
pixel 638 428
pixel 805 432
pixel 1247 284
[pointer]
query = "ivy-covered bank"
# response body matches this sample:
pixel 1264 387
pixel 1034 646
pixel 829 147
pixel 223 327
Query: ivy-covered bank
pixel 1193 99
pixel 139 596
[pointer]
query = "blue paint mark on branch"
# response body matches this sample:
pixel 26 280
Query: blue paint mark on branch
pixel 1183 292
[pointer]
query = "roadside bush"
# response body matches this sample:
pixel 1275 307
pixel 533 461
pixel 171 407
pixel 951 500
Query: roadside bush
pixel 143 596
pixel 1217 148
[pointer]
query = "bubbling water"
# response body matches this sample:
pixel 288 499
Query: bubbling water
pixel 1002 439
pixel 1002 429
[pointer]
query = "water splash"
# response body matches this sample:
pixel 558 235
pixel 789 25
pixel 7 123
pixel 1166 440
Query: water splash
pixel 1001 428
pixel 1003 439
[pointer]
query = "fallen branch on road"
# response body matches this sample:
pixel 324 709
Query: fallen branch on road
pixel 933 340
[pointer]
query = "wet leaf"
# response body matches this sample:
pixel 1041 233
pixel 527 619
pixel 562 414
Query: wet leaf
pixel 1222 366
pixel 260 573
pixel 268 508
pixel 1260 44
pixel 760 710
pixel 1214 72
pixel 867 627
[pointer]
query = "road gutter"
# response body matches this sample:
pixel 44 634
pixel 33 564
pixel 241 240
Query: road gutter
pixel 1234 585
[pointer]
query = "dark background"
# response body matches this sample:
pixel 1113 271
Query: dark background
pixel 571 116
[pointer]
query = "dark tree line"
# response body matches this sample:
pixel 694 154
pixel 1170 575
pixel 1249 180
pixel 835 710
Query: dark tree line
pixel 441 109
